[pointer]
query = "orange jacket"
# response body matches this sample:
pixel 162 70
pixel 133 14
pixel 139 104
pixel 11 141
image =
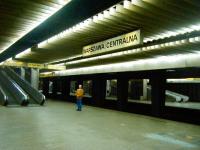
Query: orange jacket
pixel 79 93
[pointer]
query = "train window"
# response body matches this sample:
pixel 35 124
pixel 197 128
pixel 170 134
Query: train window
pixel 73 88
pixel 87 86
pixel 183 93
pixel 111 89
pixel 139 90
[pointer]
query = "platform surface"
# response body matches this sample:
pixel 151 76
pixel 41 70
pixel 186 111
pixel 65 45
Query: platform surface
pixel 58 126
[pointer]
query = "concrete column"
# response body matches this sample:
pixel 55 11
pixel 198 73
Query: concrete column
pixel 22 73
pixel 98 91
pixel 28 75
pixel 31 75
pixel 35 78
pixel 158 83
pixel 122 93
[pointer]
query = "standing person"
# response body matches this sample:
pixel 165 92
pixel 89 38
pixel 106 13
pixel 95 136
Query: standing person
pixel 79 97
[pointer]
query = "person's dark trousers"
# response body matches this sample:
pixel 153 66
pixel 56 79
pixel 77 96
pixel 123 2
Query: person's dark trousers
pixel 79 104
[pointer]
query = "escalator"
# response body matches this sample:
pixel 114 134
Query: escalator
pixel 16 91
pixel 35 97
pixel 10 91
pixel 174 95
pixel 177 96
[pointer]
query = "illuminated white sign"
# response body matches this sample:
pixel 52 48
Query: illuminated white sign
pixel 123 41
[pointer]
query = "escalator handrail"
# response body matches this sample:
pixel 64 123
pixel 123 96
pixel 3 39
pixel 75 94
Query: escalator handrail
pixel 26 97
pixel 4 94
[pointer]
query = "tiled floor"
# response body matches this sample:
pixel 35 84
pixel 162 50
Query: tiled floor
pixel 57 126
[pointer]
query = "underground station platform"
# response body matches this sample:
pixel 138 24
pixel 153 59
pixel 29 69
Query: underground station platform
pixel 99 75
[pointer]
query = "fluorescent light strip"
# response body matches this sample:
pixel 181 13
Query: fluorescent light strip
pixel 109 13
pixel 37 23
pixel 61 64
pixel 68 59
pixel 163 62
pixel 46 73
pixel 168 34
pixel 9 59
pixel 137 50
pixel 22 54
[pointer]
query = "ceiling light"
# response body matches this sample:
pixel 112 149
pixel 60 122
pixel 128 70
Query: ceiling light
pixel 178 42
pixel 43 44
pixel 106 14
pixel 9 59
pixel 95 18
pixel 162 45
pixel 197 39
pixel 53 38
pixel 195 27
pixel 179 60
pixel 171 44
pixel 112 11
pixel 34 24
pixel 23 53
pixel 148 47
pixel 61 64
pixel 183 41
pixel 1 63
pixel 135 2
pixel 143 48
pixel 166 44
pixel 100 16
pixel 191 40
pixel 157 46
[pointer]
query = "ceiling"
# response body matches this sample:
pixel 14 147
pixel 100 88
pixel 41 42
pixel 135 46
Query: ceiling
pixel 25 23
pixel 157 19
pixel 17 18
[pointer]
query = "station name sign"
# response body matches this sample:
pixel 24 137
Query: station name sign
pixel 123 41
